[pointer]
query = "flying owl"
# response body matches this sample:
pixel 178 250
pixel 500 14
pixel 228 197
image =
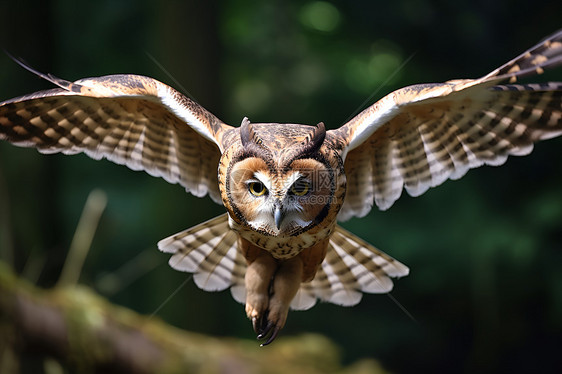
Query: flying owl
pixel 285 186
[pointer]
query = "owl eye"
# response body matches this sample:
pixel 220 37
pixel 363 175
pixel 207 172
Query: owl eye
pixel 300 188
pixel 256 188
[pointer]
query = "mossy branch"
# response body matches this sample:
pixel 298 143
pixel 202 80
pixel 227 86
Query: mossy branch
pixel 87 334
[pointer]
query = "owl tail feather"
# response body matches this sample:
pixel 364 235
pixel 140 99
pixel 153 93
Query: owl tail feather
pixel 210 251
pixel 352 266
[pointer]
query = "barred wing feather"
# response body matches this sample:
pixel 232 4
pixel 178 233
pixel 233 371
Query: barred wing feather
pixel 419 136
pixel 351 267
pixel 210 251
pixel 128 119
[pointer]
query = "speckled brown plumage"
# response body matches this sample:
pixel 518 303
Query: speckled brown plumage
pixel 285 185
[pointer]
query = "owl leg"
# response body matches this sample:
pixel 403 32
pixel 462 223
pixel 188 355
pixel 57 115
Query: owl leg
pixel 257 279
pixel 286 283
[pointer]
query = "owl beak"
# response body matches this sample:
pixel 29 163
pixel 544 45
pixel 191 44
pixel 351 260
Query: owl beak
pixel 278 216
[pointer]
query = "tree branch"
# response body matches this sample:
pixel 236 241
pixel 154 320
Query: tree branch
pixel 86 333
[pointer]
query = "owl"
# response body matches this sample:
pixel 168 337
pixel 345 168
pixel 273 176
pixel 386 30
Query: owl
pixel 285 186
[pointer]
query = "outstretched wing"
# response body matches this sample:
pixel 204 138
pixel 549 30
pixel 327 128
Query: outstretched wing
pixel 129 119
pixel 419 136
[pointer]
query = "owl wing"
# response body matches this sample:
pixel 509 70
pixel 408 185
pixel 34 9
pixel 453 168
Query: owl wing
pixel 129 119
pixel 419 136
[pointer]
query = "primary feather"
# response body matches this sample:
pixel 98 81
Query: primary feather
pixel 419 136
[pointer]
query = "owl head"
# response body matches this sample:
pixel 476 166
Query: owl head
pixel 280 180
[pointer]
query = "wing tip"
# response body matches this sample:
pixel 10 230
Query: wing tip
pixel 62 83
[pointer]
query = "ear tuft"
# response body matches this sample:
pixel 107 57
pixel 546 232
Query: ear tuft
pixel 315 140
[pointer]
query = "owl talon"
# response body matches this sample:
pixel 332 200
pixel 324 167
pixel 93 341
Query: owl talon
pixel 259 325
pixel 256 324
pixel 268 331
pixel 264 332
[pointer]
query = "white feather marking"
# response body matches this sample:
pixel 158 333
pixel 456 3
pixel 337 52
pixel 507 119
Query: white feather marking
pixel 549 135
pixel 392 268
pixel 460 167
pixel 213 263
pixel 182 262
pixel 367 281
pixel 173 159
pixel 238 292
pixel 189 262
pixel 290 179
pixel 341 294
pixel 218 279
pixel 345 297
pixel 264 178
pixel 439 172
pixel 392 192
pixel 303 300
pixel 380 113
pixel 167 97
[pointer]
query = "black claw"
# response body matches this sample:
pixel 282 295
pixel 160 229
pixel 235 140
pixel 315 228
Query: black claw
pixel 272 336
pixel 270 330
pixel 259 324
pixel 256 324
pixel 265 331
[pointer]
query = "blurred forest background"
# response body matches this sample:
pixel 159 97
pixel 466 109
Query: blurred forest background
pixel 485 253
